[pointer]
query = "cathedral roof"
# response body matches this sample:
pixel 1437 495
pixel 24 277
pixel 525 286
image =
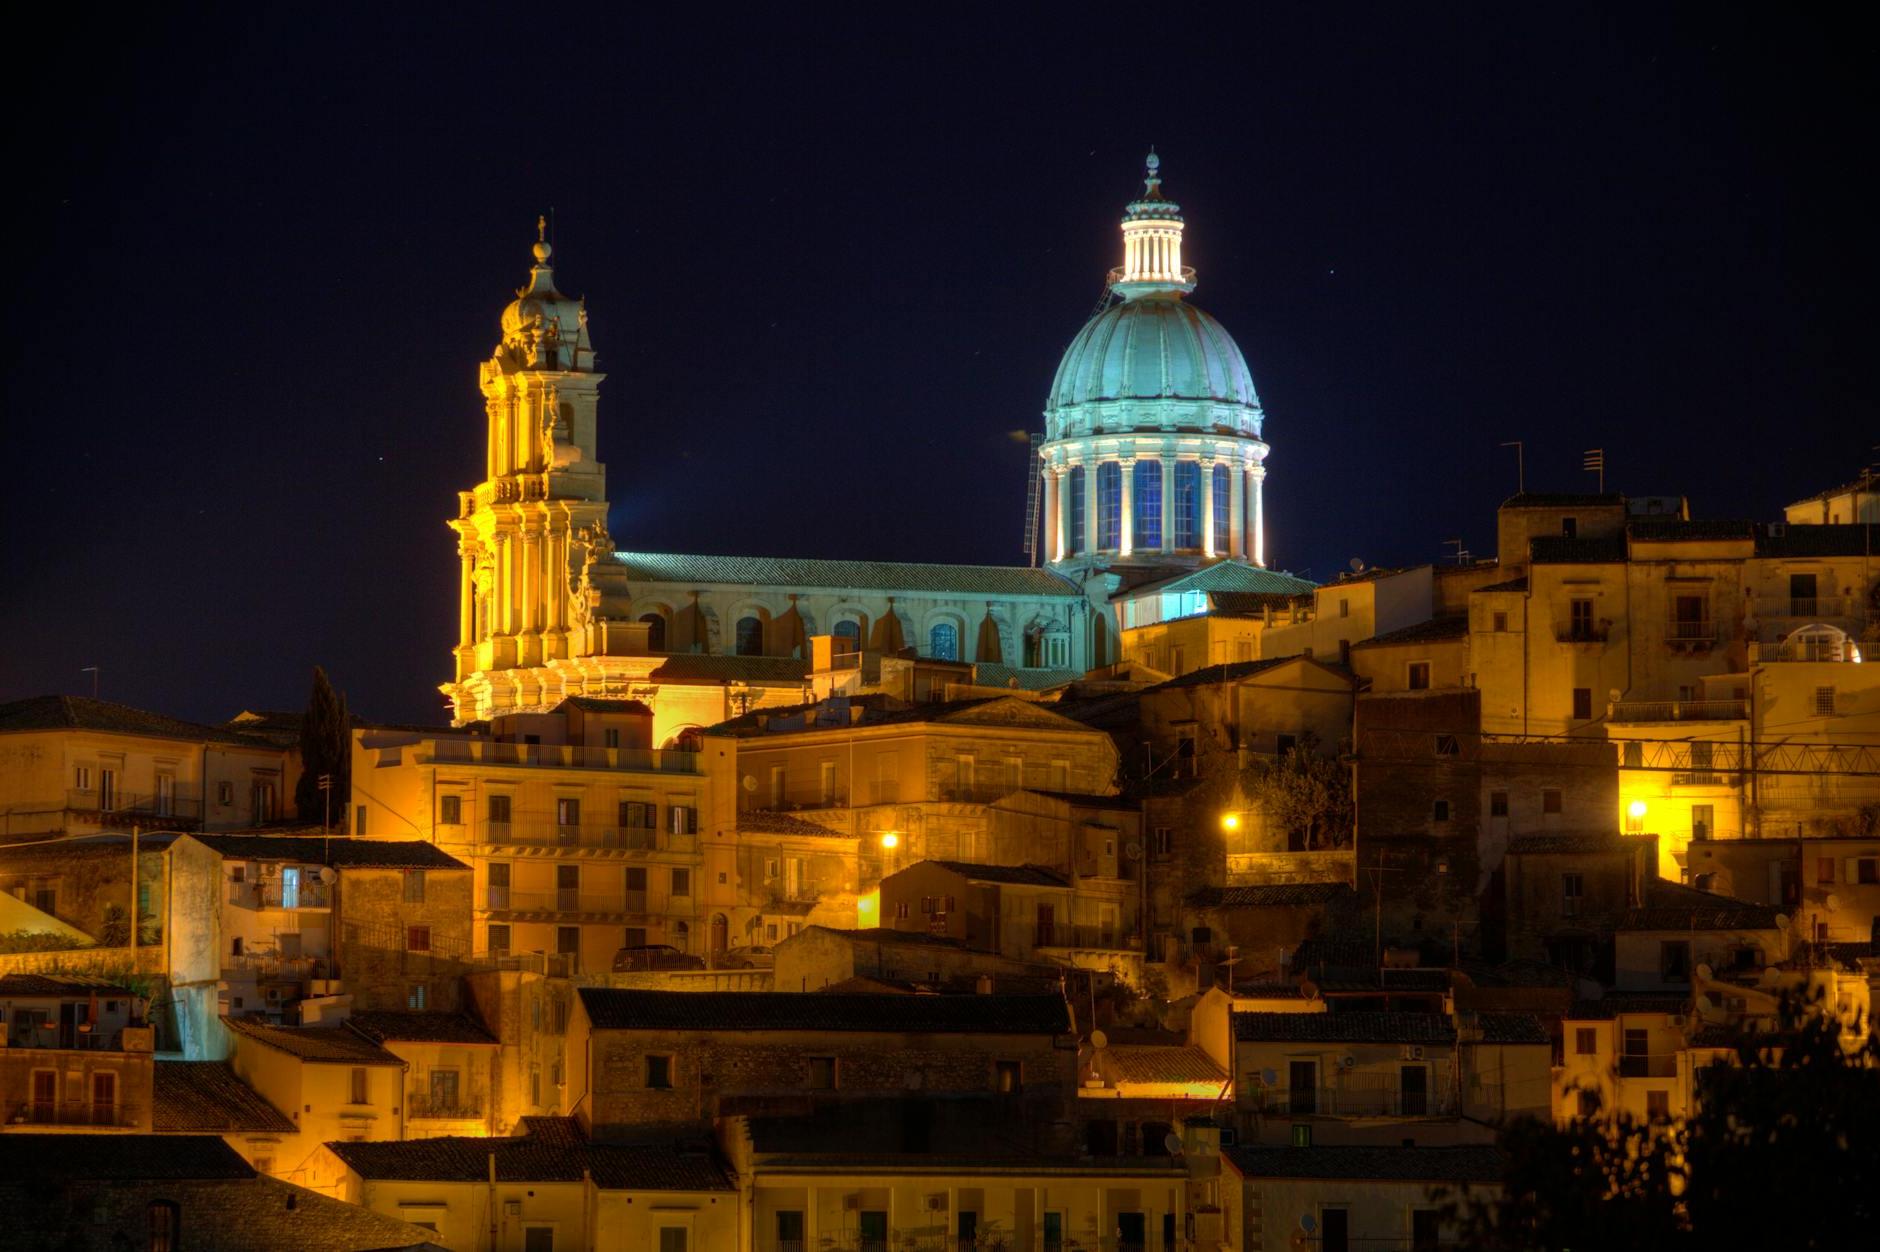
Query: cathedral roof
pixel 1222 576
pixel 808 572
pixel 1160 348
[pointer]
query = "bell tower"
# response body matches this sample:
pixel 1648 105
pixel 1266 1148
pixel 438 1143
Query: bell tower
pixel 532 539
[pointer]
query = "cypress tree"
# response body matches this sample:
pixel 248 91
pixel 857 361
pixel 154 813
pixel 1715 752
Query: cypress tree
pixel 325 748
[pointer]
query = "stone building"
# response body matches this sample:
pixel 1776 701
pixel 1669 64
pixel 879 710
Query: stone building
pixel 1349 1196
pixel 77 1054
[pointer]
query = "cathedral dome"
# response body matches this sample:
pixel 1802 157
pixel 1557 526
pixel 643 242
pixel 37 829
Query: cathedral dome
pixel 1152 348
pixel 542 328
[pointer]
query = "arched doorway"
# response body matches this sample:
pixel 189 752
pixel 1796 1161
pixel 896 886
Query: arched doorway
pixel 655 631
pixel 682 936
pixel 721 933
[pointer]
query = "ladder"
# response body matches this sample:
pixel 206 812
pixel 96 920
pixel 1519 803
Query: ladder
pixel 1031 499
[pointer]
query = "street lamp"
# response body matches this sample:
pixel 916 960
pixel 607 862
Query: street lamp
pixel 1635 817
pixel 1230 822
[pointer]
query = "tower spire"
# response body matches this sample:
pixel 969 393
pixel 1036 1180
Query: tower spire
pixel 1152 242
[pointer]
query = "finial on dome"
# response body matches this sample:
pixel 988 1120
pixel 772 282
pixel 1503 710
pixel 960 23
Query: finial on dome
pixel 1152 180
pixel 543 249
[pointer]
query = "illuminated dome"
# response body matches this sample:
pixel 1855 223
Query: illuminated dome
pixel 542 328
pixel 1153 348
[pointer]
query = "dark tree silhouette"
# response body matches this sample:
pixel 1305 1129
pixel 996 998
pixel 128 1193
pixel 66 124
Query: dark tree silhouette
pixel 325 748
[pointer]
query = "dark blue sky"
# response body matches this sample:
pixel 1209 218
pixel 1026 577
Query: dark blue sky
pixel 259 254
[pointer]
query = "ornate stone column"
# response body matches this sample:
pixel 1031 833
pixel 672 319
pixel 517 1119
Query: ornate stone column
pixel 466 597
pixel 1259 516
pixel 1168 499
pixel 1050 538
pixel 1090 507
pixel 1236 510
pixel 1126 539
pixel 531 581
pixel 1207 506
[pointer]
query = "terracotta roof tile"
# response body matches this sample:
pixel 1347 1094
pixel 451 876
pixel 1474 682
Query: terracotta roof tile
pixel 553 1150
pixel 808 572
pixel 206 1096
pixel 1162 1064
pixel 83 713
pixel 340 851
pixel 614 1009
pixel 403 1027
pixel 334 1044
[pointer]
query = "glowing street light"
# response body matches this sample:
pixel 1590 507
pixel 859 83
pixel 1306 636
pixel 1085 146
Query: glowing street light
pixel 890 839
pixel 1230 821
pixel 1635 817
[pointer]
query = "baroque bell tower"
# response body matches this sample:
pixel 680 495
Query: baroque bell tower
pixel 536 559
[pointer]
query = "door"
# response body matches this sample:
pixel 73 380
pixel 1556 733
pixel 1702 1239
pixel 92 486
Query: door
pixel 107 789
pixel 1802 599
pixel 1054 1232
pixel 71 1014
pixel 1425 1230
pixel 290 887
pixel 967 1226
pixel 1414 1088
pixel 1302 1087
pixel 872 1226
pixel 1334 1230
pixel 568 888
pixel 103 1099
pixel 1703 820
pixel 166 795
pixel 538 1239
pixel 45 1094
pixel 1047 926
pixel 1132 1232
pixel 790 1231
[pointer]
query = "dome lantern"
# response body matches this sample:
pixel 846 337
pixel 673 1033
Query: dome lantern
pixel 1152 242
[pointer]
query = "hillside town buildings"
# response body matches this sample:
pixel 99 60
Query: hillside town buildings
pixel 1145 897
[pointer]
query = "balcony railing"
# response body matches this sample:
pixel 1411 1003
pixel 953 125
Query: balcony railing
pixel 589 835
pixel 117 808
pixel 979 793
pixel 75 1113
pixel 463 1106
pixel 1691 630
pixel 558 756
pixel 1677 711
pixel 1813 608
pixel 567 900
pixel 273 894
pixel 1079 935
pixel 1366 1096
pixel 1581 632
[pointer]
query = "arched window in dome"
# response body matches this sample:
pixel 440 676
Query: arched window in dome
pixel 655 631
pixel 1187 504
pixel 1146 519
pixel 850 629
pixel 1074 517
pixel 1109 506
pixel 750 637
pixel 1221 511
pixel 943 642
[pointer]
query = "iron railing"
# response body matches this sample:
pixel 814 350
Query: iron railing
pixel 558 756
pixel 180 806
pixel 1677 711
pixel 463 1106
pixel 75 1113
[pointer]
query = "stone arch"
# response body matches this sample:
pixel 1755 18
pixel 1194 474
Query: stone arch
pixel 847 611
pixel 953 620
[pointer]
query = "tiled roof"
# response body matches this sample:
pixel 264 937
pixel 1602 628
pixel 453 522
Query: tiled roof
pixel 1343 1028
pixel 1845 539
pixel 807 572
pixel 1223 576
pixel 1567 841
pixel 683 666
pixel 1615 1003
pixel 612 1009
pixel 207 1097
pixel 1014 875
pixel 1561 500
pixel 1082 800
pixel 992 674
pixel 58 985
pixel 315 1043
pixel 1162 1064
pixel 1511 1028
pixel 1673 906
pixel 878 710
pixel 1435 630
pixel 1683 530
pixel 83 713
pixel 1248 603
pixel 1560 550
pixel 596 704
pixel 111 1158
pixel 1231 671
pixel 771 822
pixel 1513 584
pixel 549 1153
pixel 1272 895
pixel 885 934
pixel 1464 1163
pixel 402 1027
pixel 1864 486
pixel 340 851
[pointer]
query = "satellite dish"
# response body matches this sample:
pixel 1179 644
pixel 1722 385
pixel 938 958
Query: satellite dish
pixel 1134 851
pixel 327 875
pixel 1782 921
pixel 1309 989
pixel 1347 1061
pixel 1099 1040
pixel 1269 1076
pixel 750 782
pixel 1173 1142
pixel 1308 1223
pixel 1357 564
pixel 1703 973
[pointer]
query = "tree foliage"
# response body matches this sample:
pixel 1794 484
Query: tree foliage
pixel 1306 795
pixel 325 748
pixel 1780 1153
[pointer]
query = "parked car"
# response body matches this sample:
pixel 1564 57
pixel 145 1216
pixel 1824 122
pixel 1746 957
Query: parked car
pixel 654 956
pixel 755 956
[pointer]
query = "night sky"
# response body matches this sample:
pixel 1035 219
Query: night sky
pixel 258 255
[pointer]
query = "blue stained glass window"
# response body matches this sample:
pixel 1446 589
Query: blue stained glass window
pixel 1187 504
pixel 849 628
pixel 1221 510
pixel 1147 517
pixel 943 642
pixel 750 637
pixel 1109 506
pixel 1074 515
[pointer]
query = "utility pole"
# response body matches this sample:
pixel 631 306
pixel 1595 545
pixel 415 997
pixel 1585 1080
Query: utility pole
pixel 94 671
pixel 1520 464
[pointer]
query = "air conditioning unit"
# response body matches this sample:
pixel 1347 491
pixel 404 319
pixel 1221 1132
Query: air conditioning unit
pixel 512 1208
pixel 1412 1051
pixel 936 1203
pixel 1347 1061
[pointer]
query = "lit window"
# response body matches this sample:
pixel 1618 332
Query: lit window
pixel 1146 515
pixel 1109 505
pixel 1074 520
pixel 1221 510
pixel 750 637
pixel 943 642
pixel 1187 504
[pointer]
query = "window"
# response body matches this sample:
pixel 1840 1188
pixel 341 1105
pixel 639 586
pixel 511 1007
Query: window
pixel 849 628
pixel 417 938
pixel 1499 622
pixel 1674 960
pixel 1580 619
pixel 1302 1086
pixel 359 820
pixel 499 810
pixel 822 1073
pixel 1582 704
pixel 1703 820
pixel 1550 800
pixel 827 786
pixel 260 800
pixel 1658 1106
pixel 450 810
pixel 499 937
pixel 1008 1077
pixel 567 811
pixel 963 779
pixel 1074 515
pixel 81 778
pixel 1344 607
pixel 672 1239
pixel 1440 811
pixel 1867 870
pixel 1824 869
pixel 1302 1136
pixel 1572 890
pixel 104 1090
pixel 1146 517
pixel 538 1239
pixel 943 642
pixel 414 886
pixel 1498 804
pixel 750 640
pixel 1633 755
pixel 655 631
pixel 444 1090
pixel 359 1086
pixel 659 1073
pixel 1222 507
pixel 1824 702
pixel 1162 841
pixel 1570 527
pixel 568 943
pixel 779 786
pixel 1418 677
pixel 1109 505
pixel 1586 1041
pixel 1187 504
pixel 682 819
pixel 681 882
pixel 1446 746
pixel 417 997
pixel 164 1221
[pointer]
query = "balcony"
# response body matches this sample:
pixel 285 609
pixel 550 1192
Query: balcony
pixel 1691 632
pixel 1078 935
pixel 607 836
pixel 1623 711
pixel 1366 1095
pixel 1582 632
pixel 568 900
pixel 558 756
pixel 176 810
pixel 75 1113
pixel 1812 608
pixel 444 1105
pixel 273 893
pixel 1653 1065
